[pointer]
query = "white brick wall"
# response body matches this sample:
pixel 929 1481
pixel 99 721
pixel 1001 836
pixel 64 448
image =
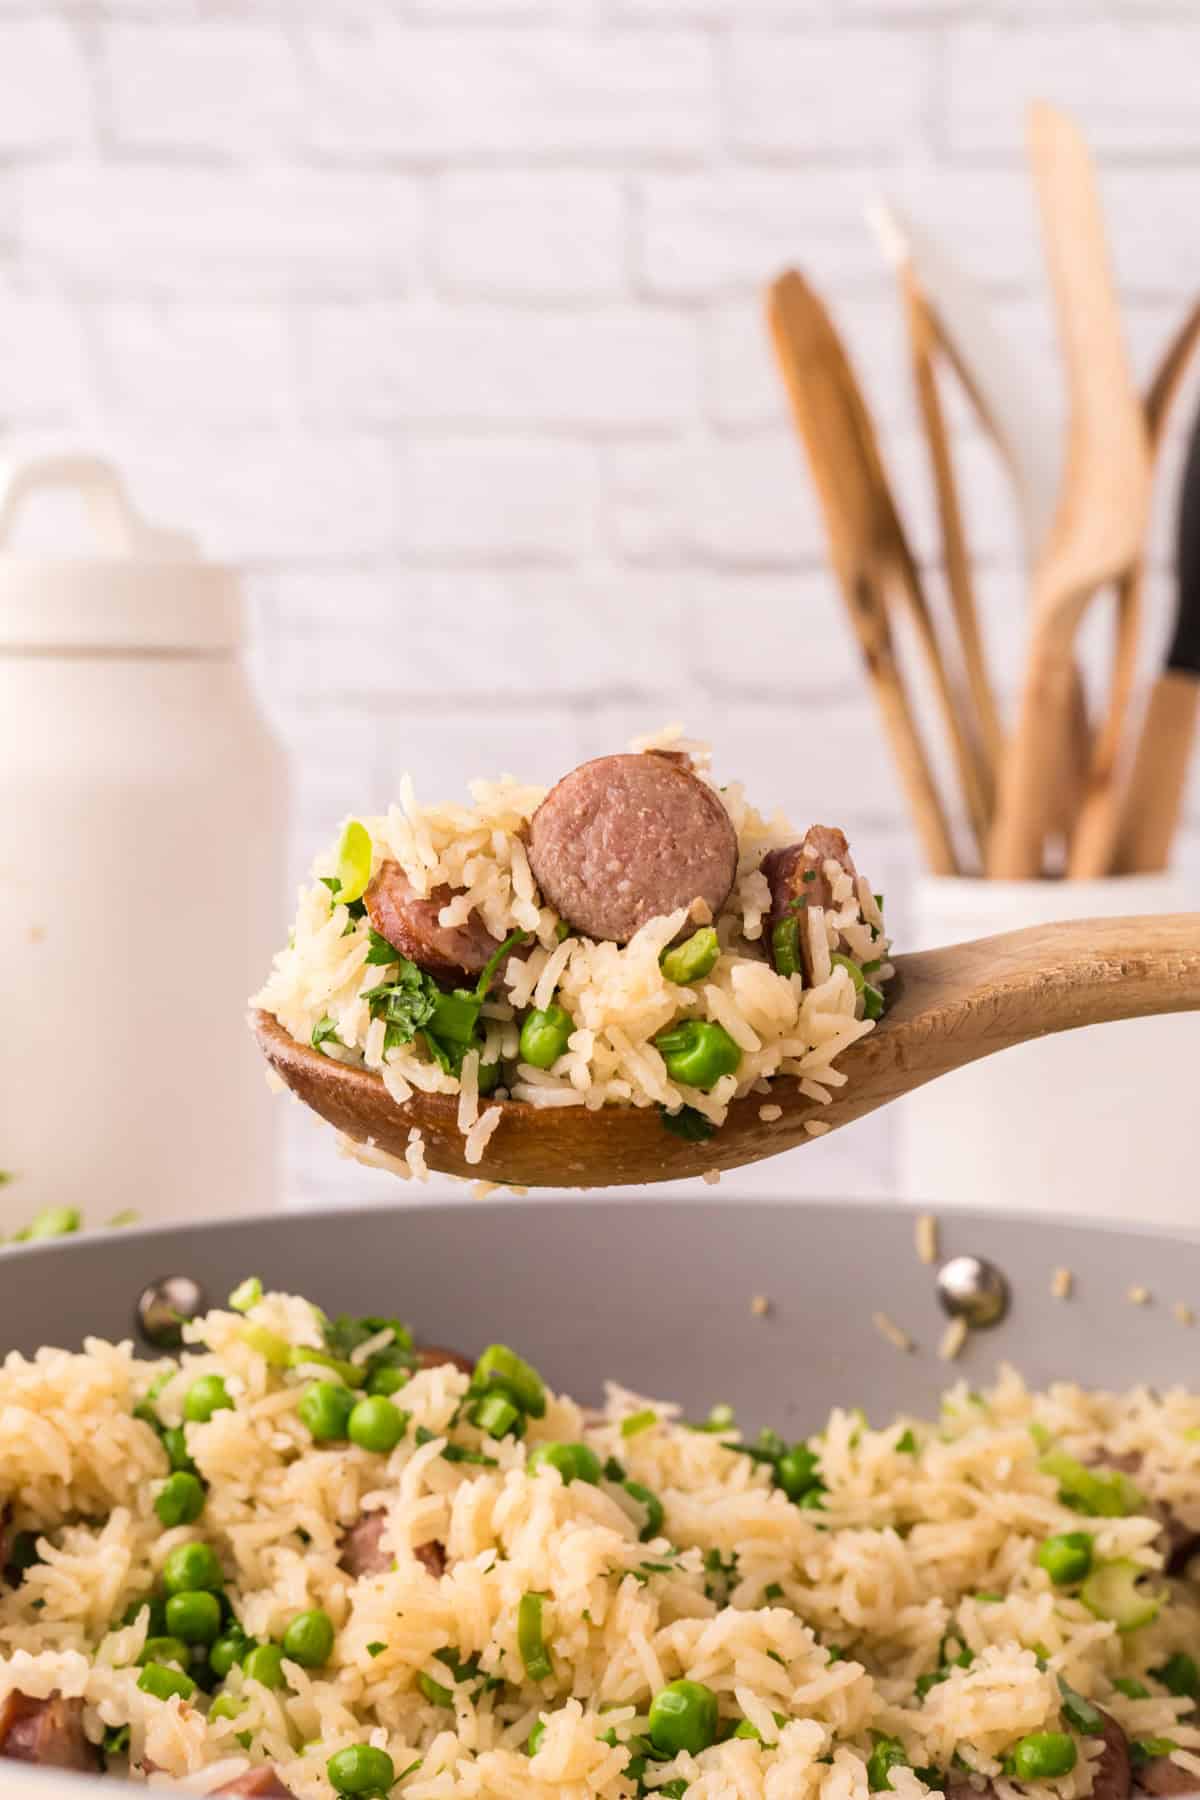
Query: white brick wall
pixel 443 318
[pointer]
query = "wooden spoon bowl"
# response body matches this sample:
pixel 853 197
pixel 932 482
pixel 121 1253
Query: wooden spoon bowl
pixel 947 1008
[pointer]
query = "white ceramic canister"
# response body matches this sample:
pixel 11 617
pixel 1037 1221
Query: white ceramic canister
pixel 1099 1122
pixel 142 835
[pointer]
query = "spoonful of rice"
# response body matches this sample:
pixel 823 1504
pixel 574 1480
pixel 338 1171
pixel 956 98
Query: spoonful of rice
pixel 637 977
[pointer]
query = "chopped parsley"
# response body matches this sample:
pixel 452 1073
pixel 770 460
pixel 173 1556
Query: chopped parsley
pixel 381 954
pixel 688 1124
pixel 448 1022
pixel 323 1029
pixel 376 1649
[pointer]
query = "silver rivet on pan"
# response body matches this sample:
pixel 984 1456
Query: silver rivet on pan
pixel 165 1307
pixel 970 1288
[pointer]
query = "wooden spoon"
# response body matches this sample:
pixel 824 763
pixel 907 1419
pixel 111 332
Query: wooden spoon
pixel 1101 518
pixel 947 1008
pixel 869 548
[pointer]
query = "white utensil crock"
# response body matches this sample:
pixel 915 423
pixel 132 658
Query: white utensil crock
pixel 1099 1122
pixel 142 819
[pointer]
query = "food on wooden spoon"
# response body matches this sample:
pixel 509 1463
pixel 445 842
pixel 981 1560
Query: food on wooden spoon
pixel 637 937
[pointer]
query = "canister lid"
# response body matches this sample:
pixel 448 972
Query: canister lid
pixel 145 589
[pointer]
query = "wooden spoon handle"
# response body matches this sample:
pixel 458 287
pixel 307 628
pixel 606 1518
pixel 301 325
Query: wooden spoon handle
pixel 1150 814
pixel 967 1001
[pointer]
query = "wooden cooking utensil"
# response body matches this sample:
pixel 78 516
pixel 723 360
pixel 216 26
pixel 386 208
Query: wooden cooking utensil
pixel 868 547
pixel 1093 845
pixel 1151 809
pixel 948 1007
pixel 946 311
pixel 1101 517
pixel 996 382
pixel 923 337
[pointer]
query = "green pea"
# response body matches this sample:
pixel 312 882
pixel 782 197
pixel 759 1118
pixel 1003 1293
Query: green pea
pixel 206 1396
pixel 376 1424
pixel 544 1036
pixel 574 1462
pixel 852 969
pixel 308 1640
pixel 228 1649
pixel 1066 1557
pixel 226 1706
pixel 360 1769
pixel 387 1381
pixel 189 1567
pixel 519 1380
pixel 165 1683
pixel 325 1410
pixel 683 1716
pixel 1043 1755
pixel 165 1650
pixel 264 1663
pixel 697 1053
pixel 180 1499
pixel 174 1442
pixel 1179 1675
pixel 692 960
pixel 887 1755
pixel 194 1617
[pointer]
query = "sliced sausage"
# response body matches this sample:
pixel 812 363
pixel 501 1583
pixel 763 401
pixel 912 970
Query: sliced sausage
pixel 48 1732
pixel 1112 1775
pixel 410 925
pixel 434 1356
pixel 261 1783
pixel 797 879
pixel 433 1556
pixel 624 839
pixel 1159 1775
pixel 362 1552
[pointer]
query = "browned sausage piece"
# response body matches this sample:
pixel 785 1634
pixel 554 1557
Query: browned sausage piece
pixel 1112 1775
pixel 433 1356
pixel 797 873
pixel 1159 1775
pixel 410 925
pixel 624 839
pixel 261 1783
pixel 433 1556
pixel 49 1732
pixel 361 1550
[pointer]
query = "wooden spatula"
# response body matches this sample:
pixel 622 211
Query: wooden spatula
pixel 808 347
pixel 1101 517
pixel 813 365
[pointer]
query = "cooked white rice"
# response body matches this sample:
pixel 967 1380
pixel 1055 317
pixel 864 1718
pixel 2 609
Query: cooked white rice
pixel 812 1623
pixel 618 996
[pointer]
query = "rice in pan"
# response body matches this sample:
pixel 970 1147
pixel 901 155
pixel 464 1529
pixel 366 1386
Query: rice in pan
pixel 469 1586
pixel 784 973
